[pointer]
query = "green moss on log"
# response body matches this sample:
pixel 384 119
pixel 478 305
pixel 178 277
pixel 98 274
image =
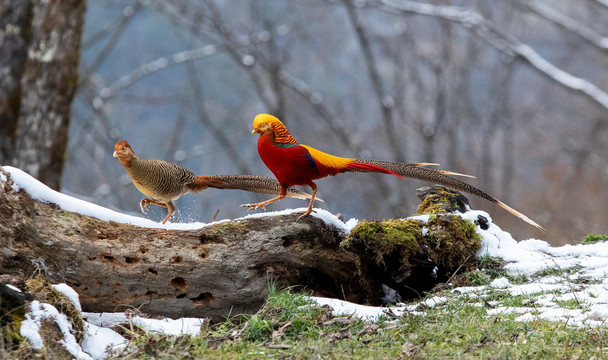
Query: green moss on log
pixel 381 238
pixel 440 201
pixel 451 240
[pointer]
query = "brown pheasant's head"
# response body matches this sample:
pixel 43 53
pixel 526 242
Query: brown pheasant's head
pixel 123 152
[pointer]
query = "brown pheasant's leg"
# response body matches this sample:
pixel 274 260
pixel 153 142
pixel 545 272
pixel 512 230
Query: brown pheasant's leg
pixel 262 204
pixel 313 186
pixel 171 211
pixel 144 204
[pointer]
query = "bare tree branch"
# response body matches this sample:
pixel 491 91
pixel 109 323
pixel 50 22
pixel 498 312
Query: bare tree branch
pixel 219 32
pixel 602 2
pixel 117 29
pixel 218 131
pixel 150 68
pixel 315 99
pixel 566 22
pixel 386 102
pixel 178 128
pixel 501 41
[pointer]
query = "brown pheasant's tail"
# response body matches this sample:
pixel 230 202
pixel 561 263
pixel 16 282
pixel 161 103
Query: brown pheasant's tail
pixel 416 171
pixel 252 183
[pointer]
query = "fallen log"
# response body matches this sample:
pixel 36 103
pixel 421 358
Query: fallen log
pixel 225 267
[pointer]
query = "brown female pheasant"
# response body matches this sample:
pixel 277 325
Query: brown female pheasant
pixel 162 182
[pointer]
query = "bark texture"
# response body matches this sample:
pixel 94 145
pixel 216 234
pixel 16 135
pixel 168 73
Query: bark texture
pixel 15 30
pixel 40 51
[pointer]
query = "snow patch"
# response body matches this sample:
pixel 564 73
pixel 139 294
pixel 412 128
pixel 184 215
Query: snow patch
pixel 30 328
pixel 183 326
pixel 345 308
pixel 72 295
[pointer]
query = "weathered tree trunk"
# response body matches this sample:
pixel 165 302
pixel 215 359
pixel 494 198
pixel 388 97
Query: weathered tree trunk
pixel 15 29
pixel 225 268
pixel 40 48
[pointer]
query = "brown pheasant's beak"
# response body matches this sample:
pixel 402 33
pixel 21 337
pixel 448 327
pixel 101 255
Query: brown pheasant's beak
pixel 115 154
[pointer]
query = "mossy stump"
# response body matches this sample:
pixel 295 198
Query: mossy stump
pixel 412 256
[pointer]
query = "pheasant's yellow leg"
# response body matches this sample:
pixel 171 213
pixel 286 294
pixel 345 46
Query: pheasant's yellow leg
pixel 312 200
pixel 262 204
pixel 171 208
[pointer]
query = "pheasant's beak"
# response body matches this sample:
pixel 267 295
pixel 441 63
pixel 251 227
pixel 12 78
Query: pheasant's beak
pixel 115 154
pixel 256 130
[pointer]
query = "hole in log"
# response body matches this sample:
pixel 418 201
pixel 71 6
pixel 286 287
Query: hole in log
pixel 204 254
pixel 288 241
pixel 107 258
pixel 181 296
pixel 179 283
pixel 143 249
pixel 155 272
pixel 131 260
pixel 203 299
pixel 210 239
pixel 176 260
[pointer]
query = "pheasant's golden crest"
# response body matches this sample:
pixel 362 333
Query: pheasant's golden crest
pixel 281 134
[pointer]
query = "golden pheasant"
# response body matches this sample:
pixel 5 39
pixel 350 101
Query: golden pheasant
pixel 162 182
pixel 296 164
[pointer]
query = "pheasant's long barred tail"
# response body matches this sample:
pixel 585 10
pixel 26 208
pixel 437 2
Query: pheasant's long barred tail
pixel 439 177
pixel 258 184
pixel 403 169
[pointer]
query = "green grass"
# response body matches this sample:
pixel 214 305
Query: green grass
pixel 289 326
pixel 594 238
pixel 459 329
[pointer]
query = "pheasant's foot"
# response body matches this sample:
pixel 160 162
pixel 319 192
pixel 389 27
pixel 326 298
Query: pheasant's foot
pixel 144 205
pixel 305 213
pixel 255 206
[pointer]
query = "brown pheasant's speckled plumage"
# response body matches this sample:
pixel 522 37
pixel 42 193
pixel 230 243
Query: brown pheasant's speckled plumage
pixel 162 182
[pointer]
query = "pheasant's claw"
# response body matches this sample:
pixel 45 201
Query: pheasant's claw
pixel 254 206
pixel 144 205
pixel 305 213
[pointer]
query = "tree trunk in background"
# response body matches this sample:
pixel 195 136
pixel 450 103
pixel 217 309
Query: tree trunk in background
pixel 40 50
pixel 15 27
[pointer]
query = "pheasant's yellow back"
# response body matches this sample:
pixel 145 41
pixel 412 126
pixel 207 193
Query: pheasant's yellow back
pixel 328 160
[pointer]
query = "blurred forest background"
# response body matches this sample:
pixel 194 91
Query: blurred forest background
pixel 514 92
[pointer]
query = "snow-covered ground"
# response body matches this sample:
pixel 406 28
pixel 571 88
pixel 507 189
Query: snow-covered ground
pixel 583 269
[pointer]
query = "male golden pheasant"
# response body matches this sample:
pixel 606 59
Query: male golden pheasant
pixel 296 164
pixel 162 182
